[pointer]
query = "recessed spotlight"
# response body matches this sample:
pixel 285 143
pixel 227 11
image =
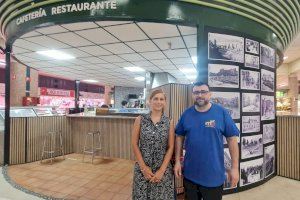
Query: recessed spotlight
pixel 140 78
pixel 134 69
pixel 188 70
pixel 285 57
pixel 58 55
pixel 90 81
pixel 195 59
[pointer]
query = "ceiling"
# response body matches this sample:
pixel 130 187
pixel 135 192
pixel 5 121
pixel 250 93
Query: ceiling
pixel 293 51
pixel 103 48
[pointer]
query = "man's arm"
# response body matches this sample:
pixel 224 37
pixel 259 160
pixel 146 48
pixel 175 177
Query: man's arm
pixel 178 150
pixel 234 154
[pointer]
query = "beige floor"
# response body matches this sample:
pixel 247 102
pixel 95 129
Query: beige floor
pixel 111 179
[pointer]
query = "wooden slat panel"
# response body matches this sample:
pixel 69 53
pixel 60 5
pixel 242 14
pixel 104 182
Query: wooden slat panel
pixel 17 140
pixel 288 146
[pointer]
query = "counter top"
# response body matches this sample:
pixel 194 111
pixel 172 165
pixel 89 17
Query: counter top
pixel 101 116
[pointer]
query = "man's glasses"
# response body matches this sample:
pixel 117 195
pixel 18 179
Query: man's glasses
pixel 202 92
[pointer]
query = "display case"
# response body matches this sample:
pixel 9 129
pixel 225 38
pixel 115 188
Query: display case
pixel 44 111
pixel 19 112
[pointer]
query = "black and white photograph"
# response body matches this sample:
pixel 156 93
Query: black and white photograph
pixel 269 160
pixel 250 102
pixel 250 124
pixel 252 46
pixel 268 133
pixel 251 61
pixel 267 108
pixel 238 138
pixel 267 81
pixel 251 171
pixel 251 146
pixel 223 76
pixel 250 80
pixel 267 56
pixel 230 101
pixel 227 164
pixel 225 47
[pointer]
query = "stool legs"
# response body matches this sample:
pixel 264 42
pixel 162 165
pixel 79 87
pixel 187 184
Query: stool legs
pixel 93 147
pixel 51 143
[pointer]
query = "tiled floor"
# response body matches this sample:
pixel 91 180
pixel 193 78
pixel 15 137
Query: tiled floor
pixel 112 179
pixel 72 179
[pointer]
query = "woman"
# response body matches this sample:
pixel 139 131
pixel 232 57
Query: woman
pixel 153 145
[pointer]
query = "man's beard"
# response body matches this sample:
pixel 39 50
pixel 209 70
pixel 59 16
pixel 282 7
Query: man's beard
pixel 201 102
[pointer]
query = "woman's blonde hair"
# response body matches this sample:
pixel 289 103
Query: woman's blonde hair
pixel 157 91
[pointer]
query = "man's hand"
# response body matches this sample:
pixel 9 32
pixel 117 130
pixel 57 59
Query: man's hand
pixel 177 170
pixel 233 176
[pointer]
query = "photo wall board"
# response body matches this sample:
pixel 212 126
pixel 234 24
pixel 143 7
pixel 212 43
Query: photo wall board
pixel 242 77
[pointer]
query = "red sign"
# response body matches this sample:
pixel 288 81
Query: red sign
pixel 30 101
pixel 57 92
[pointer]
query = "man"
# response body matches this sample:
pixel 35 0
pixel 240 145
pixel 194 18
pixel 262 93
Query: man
pixel 203 127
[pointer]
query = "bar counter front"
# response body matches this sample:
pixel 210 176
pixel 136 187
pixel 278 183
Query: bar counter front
pixel 28 134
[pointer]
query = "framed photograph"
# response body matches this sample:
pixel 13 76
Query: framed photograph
pixel 250 102
pixel 251 146
pixel 223 76
pixel 251 171
pixel 269 160
pixel 238 126
pixel 267 56
pixel 267 107
pixel 250 124
pixel 268 133
pixel 252 46
pixel 225 47
pixel 250 80
pixel 267 81
pixel 251 61
pixel 229 100
pixel 227 163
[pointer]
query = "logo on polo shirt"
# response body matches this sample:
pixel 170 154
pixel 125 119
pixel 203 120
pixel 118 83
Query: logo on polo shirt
pixel 210 124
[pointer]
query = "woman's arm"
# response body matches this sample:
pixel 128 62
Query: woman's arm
pixel 159 174
pixel 136 150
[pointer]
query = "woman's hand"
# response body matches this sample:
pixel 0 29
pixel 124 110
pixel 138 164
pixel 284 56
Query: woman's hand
pixel 157 176
pixel 147 172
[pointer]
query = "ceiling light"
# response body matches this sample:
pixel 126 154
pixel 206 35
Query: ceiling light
pixel 188 70
pixel 134 69
pixel 140 78
pixel 91 81
pixel 195 59
pixel 58 55
pixel 285 57
pixel 2 62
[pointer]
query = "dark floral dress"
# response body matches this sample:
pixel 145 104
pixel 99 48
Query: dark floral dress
pixel 153 144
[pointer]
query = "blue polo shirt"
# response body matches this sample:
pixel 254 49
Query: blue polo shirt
pixel 204 156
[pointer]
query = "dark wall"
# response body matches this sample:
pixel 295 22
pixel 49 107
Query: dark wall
pixel 58 83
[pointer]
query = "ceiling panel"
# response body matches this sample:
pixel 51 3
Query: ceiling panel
pixel 94 60
pixel 18 50
pixel 111 23
pixel 127 32
pixel 125 64
pixel 143 46
pixel 187 30
pixel 157 30
pixel 47 42
pixel 118 48
pixel 132 57
pixel 95 50
pixel 169 67
pixel 80 26
pixel 76 52
pixel 190 41
pixel 193 52
pixel 153 55
pixel 161 62
pixel 28 45
pixel 71 39
pixel 30 34
pixel 178 61
pixel 78 61
pixel 176 53
pixel 142 63
pixel 169 43
pixel 52 30
pixel 112 58
pixel 98 36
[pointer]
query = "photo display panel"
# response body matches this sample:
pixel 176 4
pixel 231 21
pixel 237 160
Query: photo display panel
pixel 242 77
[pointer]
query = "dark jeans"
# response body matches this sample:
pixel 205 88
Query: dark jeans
pixel 197 192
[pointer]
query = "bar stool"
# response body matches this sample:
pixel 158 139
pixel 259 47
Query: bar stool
pixel 91 144
pixel 50 145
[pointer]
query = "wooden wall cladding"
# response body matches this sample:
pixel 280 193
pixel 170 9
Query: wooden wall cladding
pixel 288 146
